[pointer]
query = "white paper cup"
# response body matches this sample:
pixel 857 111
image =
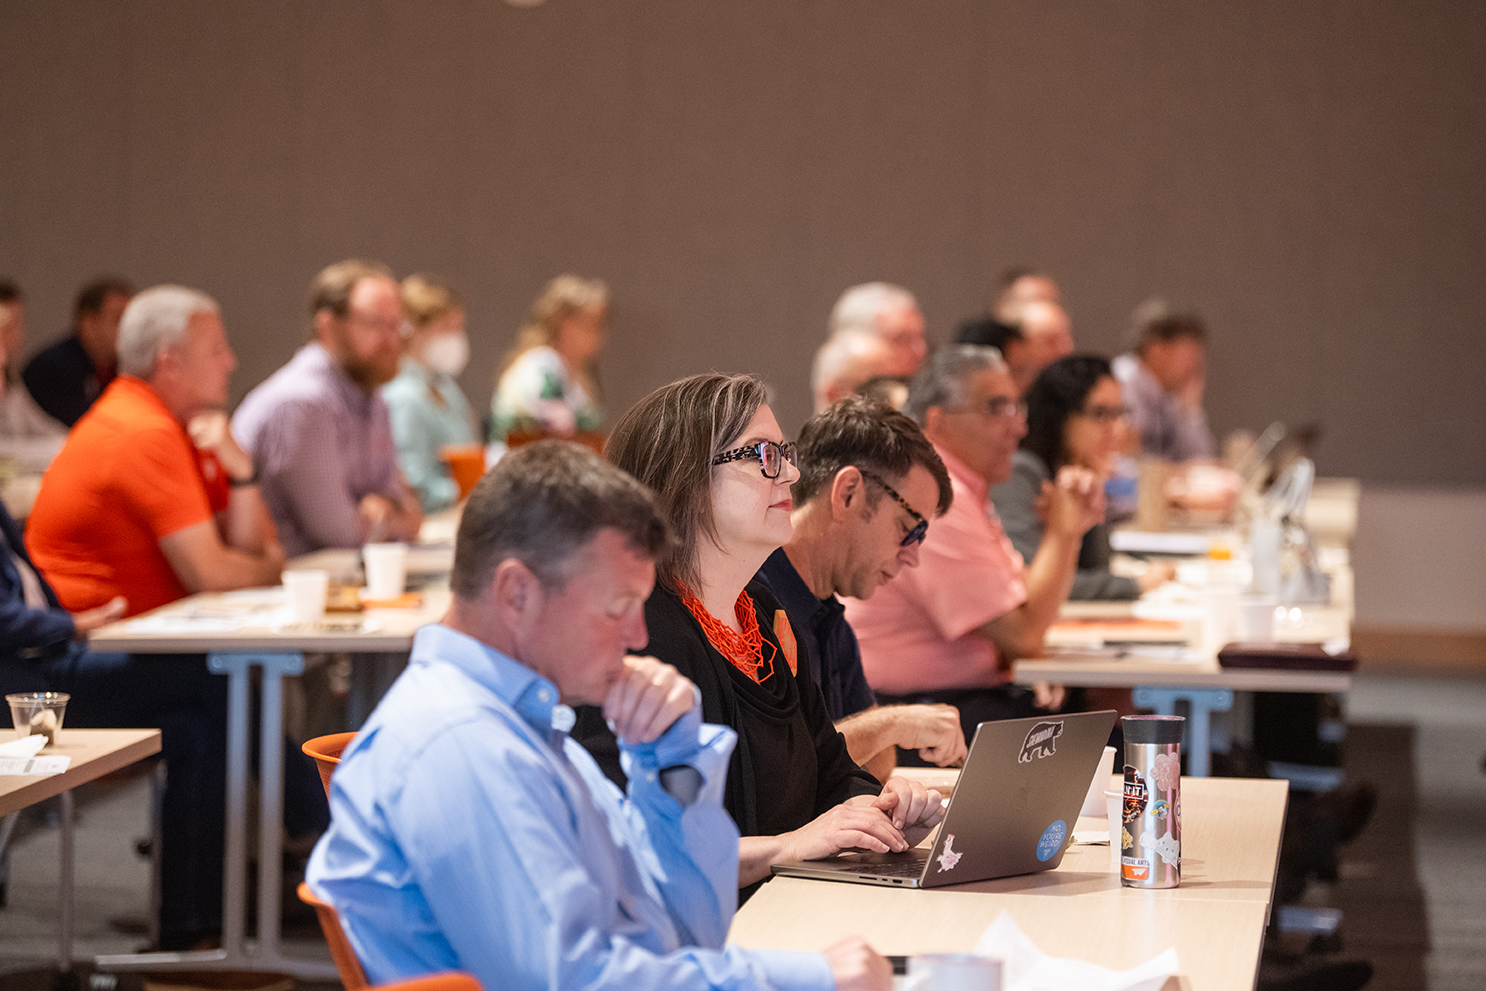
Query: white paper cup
pixel 304 591
pixel 386 570
pixel 1256 618
pixel 1220 605
pixel 1114 805
pixel 953 972
pixel 1094 800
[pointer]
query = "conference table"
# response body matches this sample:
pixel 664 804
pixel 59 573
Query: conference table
pixel 1231 831
pixel 243 633
pixel 93 753
pixel 1162 676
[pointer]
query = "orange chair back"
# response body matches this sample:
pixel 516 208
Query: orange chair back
pixel 352 976
pixel 449 980
pixel 326 750
pixel 466 464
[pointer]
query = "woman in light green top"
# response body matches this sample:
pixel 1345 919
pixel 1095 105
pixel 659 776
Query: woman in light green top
pixel 546 385
pixel 428 409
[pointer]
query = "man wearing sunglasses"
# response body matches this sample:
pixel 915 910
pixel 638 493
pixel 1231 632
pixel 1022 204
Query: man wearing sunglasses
pixel 948 630
pixel 869 483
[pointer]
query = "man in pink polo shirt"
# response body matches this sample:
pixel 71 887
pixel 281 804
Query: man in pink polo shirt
pixel 948 630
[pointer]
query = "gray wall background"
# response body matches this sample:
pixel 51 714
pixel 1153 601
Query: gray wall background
pixel 1308 174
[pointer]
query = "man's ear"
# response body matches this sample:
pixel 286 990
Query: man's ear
pixel 933 421
pixel 847 491
pixel 516 592
pixel 324 324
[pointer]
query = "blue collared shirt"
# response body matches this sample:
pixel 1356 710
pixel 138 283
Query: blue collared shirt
pixel 469 832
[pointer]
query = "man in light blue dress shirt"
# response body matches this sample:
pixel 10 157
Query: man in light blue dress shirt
pixel 470 832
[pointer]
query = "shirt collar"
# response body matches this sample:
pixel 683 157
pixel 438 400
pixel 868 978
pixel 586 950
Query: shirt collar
pixel 962 475
pixel 792 592
pixel 533 697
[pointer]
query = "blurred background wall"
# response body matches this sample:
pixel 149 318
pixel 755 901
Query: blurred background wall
pixel 1308 175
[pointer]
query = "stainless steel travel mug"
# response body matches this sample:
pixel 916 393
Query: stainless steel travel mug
pixel 1151 843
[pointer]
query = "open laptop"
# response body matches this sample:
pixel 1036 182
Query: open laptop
pixel 1012 811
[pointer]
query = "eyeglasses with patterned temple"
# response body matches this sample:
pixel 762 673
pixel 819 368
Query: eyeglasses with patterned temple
pixel 920 527
pixel 997 408
pixel 770 456
pixel 1106 414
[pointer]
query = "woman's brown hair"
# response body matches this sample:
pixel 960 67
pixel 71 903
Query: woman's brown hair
pixel 668 440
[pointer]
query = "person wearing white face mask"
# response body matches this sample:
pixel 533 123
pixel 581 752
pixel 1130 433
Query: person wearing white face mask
pixel 428 409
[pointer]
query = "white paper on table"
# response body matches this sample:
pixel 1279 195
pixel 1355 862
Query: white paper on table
pixel 26 746
pixel 1026 968
pixel 173 623
pixel 34 765
pixel 1091 837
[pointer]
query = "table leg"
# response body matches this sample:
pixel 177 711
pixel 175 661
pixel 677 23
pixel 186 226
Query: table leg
pixel 1201 703
pixel 65 888
pixel 235 953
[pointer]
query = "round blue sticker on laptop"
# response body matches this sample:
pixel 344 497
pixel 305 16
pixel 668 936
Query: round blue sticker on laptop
pixel 1052 840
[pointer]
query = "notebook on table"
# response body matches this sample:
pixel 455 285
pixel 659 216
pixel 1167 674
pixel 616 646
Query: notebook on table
pixel 1012 811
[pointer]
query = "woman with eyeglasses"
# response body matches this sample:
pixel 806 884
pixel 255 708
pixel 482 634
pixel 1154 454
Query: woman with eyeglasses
pixel 711 449
pixel 1076 415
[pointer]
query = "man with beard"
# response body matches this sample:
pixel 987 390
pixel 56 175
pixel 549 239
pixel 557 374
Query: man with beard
pixel 318 429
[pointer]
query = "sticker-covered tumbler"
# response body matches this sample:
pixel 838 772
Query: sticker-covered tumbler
pixel 1151 847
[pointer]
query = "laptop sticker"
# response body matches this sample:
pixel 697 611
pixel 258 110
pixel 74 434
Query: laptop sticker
pixel 1052 840
pixel 1039 741
pixel 948 858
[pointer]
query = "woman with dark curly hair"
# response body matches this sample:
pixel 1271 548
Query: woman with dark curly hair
pixel 1076 416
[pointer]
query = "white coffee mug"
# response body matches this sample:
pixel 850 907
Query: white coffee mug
pixel 953 972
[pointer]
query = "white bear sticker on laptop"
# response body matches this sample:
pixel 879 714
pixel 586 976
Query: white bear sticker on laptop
pixel 1040 741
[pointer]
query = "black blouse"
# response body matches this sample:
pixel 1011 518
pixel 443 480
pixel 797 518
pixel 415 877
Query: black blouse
pixel 790 765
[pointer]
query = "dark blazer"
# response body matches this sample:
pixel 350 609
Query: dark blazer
pixel 25 633
pixel 63 380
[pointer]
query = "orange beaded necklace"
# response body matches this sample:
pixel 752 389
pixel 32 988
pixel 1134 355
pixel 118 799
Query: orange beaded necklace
pixel 745 651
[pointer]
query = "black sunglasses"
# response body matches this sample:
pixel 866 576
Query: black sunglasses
pixel 770 456
pixel 920 529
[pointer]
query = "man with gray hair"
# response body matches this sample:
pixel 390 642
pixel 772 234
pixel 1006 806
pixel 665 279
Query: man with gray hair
pixel 948 630
pixel 843 363
pixel 888 313
pixel 151 498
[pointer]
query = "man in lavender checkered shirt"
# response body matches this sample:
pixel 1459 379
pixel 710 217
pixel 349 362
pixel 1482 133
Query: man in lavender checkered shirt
pixel 317 428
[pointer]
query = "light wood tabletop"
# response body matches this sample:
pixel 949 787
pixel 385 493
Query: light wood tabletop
pixel 94 753
pixel 1216 919
pixel 250 620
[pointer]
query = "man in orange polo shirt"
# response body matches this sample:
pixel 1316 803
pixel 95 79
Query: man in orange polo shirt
pixel 132 505
pixel 150 500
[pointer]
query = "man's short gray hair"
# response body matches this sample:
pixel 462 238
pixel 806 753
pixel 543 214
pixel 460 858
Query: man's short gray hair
pixel 843 360
pixel 155 319
pixel 942 381
pixel 857 309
